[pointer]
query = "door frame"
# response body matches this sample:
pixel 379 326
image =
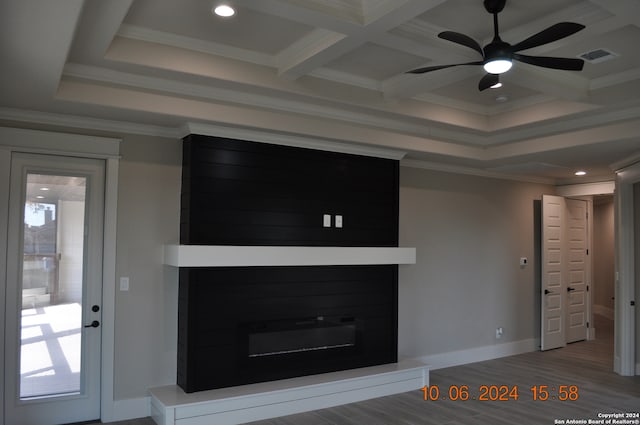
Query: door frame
pixel 83 404
pixel 625 332
pixel 625 337
pixel 53 143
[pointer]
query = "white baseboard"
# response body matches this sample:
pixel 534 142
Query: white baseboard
pixel 140 407
pixel 478 354
pixel 133 408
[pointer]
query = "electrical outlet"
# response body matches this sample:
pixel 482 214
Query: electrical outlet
pixel 124 283
pixel 326 220
pixel 339 221
pixel 499 332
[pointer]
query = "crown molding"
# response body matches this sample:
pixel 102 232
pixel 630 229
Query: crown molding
pixel 478 172
pixel 587 189
pixel 285 139
pixel 87 123
pixel 627 162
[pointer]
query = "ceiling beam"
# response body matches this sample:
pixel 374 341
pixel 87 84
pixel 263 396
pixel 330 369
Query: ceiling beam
pixel 312 51
pixel 98 26
pixel 333 37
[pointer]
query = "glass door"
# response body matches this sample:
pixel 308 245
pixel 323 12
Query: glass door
pixel 54 290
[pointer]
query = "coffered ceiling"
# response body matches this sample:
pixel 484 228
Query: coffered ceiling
pixel 332 74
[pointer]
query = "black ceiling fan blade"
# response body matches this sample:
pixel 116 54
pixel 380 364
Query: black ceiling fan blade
pixel 553 33
pixel 462 39
pixel 437 67
pixel 567 64
pixel 488 81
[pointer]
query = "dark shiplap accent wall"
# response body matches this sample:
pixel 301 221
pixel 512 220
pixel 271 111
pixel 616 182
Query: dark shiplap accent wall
pixel 248 193
pixel 217 305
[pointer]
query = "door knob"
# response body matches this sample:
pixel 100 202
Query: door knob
pixel 546 292
pixel 93 324
pixel 569 289
pixel 95 308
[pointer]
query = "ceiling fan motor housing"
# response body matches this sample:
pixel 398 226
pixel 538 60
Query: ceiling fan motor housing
pixel 494 6
pixel 497 50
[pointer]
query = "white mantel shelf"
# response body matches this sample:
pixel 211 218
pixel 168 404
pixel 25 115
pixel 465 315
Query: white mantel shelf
pixel 243 256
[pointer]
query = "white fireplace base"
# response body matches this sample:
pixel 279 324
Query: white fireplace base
pixel 170 405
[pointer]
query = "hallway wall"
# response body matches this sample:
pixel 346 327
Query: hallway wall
pixel 603 256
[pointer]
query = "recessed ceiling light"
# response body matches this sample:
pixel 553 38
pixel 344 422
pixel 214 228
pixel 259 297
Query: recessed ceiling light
pixel 224 10
pixel 502 99
pixel 580 173
pixel 40 197
pixel 496 85
pixel 44 188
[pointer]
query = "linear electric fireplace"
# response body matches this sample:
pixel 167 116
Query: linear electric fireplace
pixel 301 335
pixel 242 325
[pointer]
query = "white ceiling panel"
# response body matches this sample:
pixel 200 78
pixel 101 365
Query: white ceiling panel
pixel 334 72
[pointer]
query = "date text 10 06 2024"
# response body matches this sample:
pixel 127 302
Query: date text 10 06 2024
pixel 500 393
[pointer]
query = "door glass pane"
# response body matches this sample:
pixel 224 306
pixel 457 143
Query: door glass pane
pixel 52 283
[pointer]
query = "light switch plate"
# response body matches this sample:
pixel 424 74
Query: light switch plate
pixel 326 220
pixel 124 283
pixel 339 221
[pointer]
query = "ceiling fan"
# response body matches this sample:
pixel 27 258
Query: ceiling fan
pixel 498 55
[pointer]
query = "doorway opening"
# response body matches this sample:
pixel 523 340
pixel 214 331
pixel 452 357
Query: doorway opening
pixel 578 267
pixel 54 289
pixel 603 296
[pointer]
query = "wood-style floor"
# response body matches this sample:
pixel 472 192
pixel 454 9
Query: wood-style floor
pixel 586 365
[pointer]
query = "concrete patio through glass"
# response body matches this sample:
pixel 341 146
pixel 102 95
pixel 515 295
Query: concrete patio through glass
pixel 51 350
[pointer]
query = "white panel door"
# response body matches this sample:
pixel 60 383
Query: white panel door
pixel 553 273
pixel 53 290
pixel 577 244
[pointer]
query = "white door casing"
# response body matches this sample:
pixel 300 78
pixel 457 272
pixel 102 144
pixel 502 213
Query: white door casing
pixel 624 360
pixel 83 146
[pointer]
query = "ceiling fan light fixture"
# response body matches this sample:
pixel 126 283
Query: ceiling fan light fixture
pixel 224 10
pixel 497 66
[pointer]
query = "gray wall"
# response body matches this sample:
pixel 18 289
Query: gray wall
pixel 603 256
pixel 148 218
pixel 470 233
